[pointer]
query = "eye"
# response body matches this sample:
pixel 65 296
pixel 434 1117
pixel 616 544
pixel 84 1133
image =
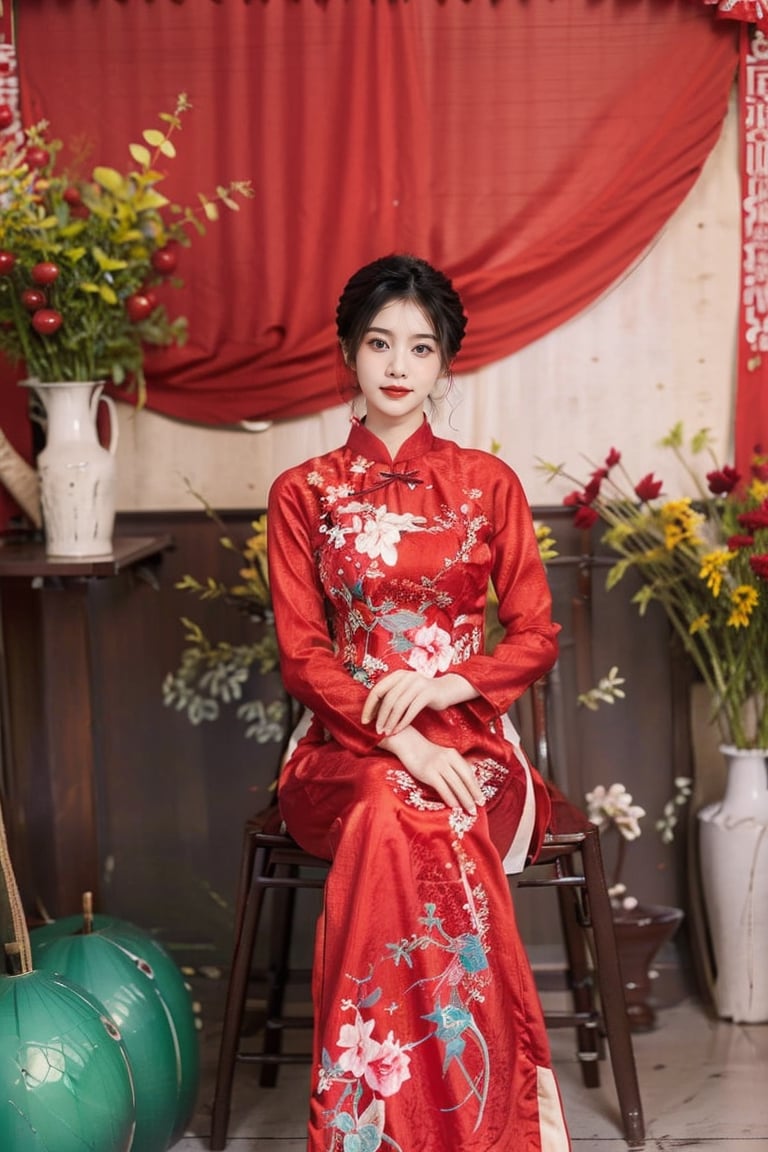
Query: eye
pixel 377 343
pixel 423 349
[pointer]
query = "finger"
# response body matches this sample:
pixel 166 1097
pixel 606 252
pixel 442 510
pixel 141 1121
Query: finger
pixel 379 694
pixel 370 708
pixel 400 720
pixel 466 775
pixel 466 800
pixel 453 789
pixel 449 795
pixel 394 704
pixel 374 698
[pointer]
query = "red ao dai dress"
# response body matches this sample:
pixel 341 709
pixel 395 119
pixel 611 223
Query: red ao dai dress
pixel 428 1030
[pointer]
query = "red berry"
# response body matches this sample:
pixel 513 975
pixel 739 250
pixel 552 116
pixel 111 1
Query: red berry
pixel 36 157
pixel 138 307
pixel 45 272
pixel 6 116
pixel 32 299
pixel 164 260
pixel 7 261
pixel 47 321
pixel 72 196
pixel 151 295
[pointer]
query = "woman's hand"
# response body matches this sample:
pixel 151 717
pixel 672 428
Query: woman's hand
pixel 442 769
pixel 397 699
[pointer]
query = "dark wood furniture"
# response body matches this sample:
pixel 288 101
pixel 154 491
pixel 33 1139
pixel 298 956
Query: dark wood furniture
pixel 49 716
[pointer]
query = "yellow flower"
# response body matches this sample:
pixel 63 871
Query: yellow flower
pixel 713 567
pixel 256 545
pixel 700 624
pixel 546 542
pixel 702 559
pixel 617 533
pixel 744 600
pixel 680 522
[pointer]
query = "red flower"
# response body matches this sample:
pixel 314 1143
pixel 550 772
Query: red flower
pixel 585 517
pixel 648 488
pixel 735 542
pixel 592 490
pixel 582 501
pixel 759 565
pixel 723 481
pixel 613 458
pixel 756 519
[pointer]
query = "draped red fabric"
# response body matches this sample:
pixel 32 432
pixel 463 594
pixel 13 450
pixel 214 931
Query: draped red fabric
pixel 531 150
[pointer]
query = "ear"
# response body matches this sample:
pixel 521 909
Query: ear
pixel 348 360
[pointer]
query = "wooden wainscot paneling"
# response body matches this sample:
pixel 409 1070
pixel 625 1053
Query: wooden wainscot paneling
pixel 168 799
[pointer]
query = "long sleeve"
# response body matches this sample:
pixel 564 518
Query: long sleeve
pixel 529 646
pixel 310 667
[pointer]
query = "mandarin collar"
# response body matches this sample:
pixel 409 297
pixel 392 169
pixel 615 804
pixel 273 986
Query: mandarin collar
pixel 363 442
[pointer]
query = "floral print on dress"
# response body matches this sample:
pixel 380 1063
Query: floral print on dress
pixel 361 541
pixel 379 534
pixel 372 1064
pixel 432 650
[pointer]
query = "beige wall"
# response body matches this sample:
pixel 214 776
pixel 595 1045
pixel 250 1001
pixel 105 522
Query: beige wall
pixel 658 348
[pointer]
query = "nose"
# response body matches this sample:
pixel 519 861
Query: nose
pixel 395 368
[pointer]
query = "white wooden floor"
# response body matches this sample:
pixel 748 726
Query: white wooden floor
pixel 704 1085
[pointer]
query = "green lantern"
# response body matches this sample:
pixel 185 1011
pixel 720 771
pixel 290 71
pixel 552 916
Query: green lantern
pixel 65 1079
pixel 133 1003
pixel 155 962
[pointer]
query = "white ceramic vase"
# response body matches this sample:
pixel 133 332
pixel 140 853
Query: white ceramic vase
pixel 77 474
pixel 733 852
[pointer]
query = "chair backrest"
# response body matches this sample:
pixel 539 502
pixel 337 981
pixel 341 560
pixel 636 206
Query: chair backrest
pixel 530 715
pixel 540 719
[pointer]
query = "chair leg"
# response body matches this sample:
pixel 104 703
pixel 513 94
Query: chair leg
pixel 612 1000
pixel 283 906
pixel 235 1003
pixel 247 853
pixel 581 983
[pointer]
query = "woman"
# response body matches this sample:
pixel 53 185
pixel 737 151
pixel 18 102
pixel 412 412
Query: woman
pixel 428 1030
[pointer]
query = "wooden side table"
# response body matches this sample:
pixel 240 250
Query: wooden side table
pixel 49 784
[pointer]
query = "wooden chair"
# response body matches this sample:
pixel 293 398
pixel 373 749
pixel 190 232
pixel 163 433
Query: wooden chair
pixel 570 861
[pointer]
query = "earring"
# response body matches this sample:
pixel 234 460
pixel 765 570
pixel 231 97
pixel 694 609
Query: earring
pixel 357 406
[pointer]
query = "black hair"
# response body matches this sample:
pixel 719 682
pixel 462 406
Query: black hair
pixel 400 277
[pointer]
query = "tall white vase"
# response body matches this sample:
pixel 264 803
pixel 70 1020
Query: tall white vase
pixel 77 474
pixel 733 850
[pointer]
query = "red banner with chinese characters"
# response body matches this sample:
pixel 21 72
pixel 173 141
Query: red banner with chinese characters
pixel 14 422
pixel 751 432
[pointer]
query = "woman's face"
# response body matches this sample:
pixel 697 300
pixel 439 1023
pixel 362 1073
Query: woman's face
pixel 398 364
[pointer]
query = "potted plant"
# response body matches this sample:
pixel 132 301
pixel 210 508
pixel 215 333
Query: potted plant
pixel 214 675
pixel 704 559
pixel 641 929
pixel 81 258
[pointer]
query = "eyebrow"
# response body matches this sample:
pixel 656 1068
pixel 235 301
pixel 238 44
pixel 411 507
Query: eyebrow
pixel 413 336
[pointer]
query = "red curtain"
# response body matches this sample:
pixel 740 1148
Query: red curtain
pixel 532 150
